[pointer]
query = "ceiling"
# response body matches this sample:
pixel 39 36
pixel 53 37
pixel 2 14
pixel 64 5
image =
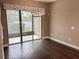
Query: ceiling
pixel 46 1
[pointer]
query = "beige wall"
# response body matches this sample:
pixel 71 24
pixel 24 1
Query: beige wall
pixel 24 3
pixel 46 22
pixel 64 16
pixel 1 39
pixel 4 25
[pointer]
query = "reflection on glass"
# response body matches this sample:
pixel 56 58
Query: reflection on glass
pixel 13 26
pixel 26 21
pixel 26 25
pixel 37 27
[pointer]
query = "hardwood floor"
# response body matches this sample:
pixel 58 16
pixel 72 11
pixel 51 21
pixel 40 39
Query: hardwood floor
pixel 40 49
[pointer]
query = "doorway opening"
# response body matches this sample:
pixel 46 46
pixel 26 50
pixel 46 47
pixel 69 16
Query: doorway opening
pixel 22 26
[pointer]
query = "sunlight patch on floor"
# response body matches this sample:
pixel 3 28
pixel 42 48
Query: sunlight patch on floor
pixel 25 38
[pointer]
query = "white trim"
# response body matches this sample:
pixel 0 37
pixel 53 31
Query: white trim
pixel 6 45
pixel 45 37
pixel 3 52
pixel 65 43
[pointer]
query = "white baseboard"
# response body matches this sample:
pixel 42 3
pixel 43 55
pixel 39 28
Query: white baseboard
pixel 45 37
pixel 65 43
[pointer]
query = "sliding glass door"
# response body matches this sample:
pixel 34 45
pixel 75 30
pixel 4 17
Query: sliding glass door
pixel 19 25
pixel 37 27
pixel 13 25
pixel 22 26
pixel 27 32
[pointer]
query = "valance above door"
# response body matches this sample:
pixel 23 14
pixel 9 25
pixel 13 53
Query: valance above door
pixel 34 10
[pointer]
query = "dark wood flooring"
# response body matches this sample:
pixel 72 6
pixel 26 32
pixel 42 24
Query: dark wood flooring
pixel 40 49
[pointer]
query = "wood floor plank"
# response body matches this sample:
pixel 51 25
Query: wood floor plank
pixel 41 49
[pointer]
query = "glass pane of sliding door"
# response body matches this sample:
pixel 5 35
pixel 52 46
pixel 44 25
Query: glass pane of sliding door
pixel 13 26
pixel 37 27
pixel 26 18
